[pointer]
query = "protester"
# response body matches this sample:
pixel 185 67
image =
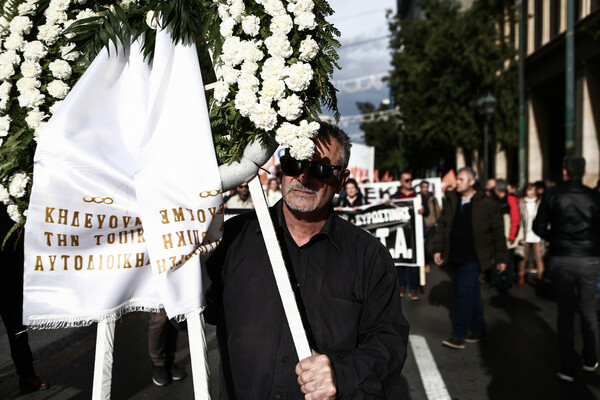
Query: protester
pixel 406 191
pixel 273 191
pixel 242 199
pixel 540 188
pixel 489 186
pixel 354 197
pixel 509 208
pixel 167 347
pixel 11 307
pixel 431 213
pixel 569 218
pixel 531 244
pixel 344 281
pixel 470 237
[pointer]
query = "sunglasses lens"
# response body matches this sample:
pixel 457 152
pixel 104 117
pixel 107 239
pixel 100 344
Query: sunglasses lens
pixel 290 166
pixel 321 171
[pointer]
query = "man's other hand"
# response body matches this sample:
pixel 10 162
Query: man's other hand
pixel 501 267
pixel 437 258
pixel 316 377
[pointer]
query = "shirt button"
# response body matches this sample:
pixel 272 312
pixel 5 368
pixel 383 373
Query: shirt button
pixel 296 285
pixel 284 359
pixel 277 396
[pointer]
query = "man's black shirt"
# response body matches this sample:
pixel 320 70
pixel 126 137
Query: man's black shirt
pixel 346 284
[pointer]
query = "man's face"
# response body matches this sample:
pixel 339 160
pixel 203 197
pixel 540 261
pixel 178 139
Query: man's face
pixel 424 188
pixel 243 190
pixel 498 193
pixel 406 181
pixel 491 184
pixel 464 182
pixel 304 193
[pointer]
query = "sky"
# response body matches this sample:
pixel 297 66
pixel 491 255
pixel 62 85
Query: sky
pixel 364 52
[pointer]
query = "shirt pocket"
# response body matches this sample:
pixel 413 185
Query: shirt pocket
pixel 339 320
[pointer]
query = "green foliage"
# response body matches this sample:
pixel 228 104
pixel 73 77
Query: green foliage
pixel 443 64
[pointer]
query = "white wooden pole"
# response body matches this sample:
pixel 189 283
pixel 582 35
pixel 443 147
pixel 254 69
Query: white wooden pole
pixel 105 337
pixel 198 354
pixel 278 264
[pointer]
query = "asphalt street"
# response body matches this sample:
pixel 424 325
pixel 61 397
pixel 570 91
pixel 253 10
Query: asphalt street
pixel 518 360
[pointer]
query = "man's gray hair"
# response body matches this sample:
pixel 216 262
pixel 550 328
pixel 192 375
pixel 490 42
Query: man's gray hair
pixel 328 130
pixel 468 170
pixel 501 185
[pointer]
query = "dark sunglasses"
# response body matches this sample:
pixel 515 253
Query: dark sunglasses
pixel 318 170
pixel 243 187
pixel 408 180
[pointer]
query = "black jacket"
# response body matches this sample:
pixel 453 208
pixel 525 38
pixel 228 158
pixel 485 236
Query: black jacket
pixel 488 229
pixel 569 218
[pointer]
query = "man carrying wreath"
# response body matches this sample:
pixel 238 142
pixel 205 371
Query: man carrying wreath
pixel 345 284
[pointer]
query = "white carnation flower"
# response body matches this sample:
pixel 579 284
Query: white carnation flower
pixel 54 16
pixel 38 131
pixel 28 7
pixel 223 11
pixel 273 68
pixel 125 4
pixel 27 83
pixel 48 33
pixel 300 6
pixel 31 69
pixel 230 75
pixel 279 46
pixel 273 7
pixel 248 82
pixel 31 98
pixel 231 51
pixel 308 129
pixel 57 89
pixel 285 134
pixel 221 92
pixel 151 19
pixel 237 9
pixel 6 70
pixel 4 195
pixel 249 67
pixel 226 28
pixel 281 24
pixel 299 76
pixel 251 25
pixel 308 49
pixel 60 5
pixel 4 95
pixel 250 51
pixel 305 20
pixel 4 125
pixel 17 184
pixel 10 56
pixel 34 50
pixel 245 100
pixel 67 53
pixel 20 25
pixel 4 23
pixel 290 107
pixel 60 69
pixel 273 89
pixel 302 148
pixel 55 106
pixel 13 213
pixel 34 118
pixel 264 116
pixel 14 42
pixel 89 13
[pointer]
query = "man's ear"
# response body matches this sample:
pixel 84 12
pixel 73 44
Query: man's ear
pixel 343 178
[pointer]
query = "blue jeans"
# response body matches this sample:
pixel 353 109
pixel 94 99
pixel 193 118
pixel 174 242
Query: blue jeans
pixel 469 313
pixel 413 277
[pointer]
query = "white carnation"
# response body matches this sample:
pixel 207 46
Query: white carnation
pixel 250 51
pixel 249 67
pixel 290 107
pixel 31 98
pixel 14 42
pixel 34 50
pixel 31 69
pixel 264 116
pixel 245 100
pixel 4 23
pixel 54 16
pixel 4 125
pixel 301 6
pixel 273 89
pixel 237 9
pixel 308 49
pixel 248 82
pixel 58 89
pixel 285 134
pixel 302 148
pixel 34 118
pixel 55 106
pixel 221 92
pixel 4 195
pixel 60 5
pixel 251 25
pixel 282 24
pixel 13 213
pixel 299 76
pixel 17 184
pixel 151 19
pixel 226 27
pixel 308 129
pixel 231 51
pixel 305 20
pixel 273 68
pixel 38 131
pixel 230 75
pixel 4 95
pixel 6 70
pixel 89 13
pixel 223 12
pixel 60 69
pixel 67 53
pixel 28 7
pixel 48 33
pixel 279 46
pixel 10 56
pixel 27 83
pixel 273 7
pixel 20 25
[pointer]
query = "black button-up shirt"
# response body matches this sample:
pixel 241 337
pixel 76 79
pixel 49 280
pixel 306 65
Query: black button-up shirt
pixel 346 285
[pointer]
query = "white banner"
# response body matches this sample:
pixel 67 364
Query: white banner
pixel 378 192
pixel 362 162
pixel 126 201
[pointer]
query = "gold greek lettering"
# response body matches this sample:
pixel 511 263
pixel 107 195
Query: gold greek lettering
pixel 62 216
pixel 161 264
pixel 62 239
pixel 165 217
pixel 88 220
pixel 178 214
pixel 78 263
pixel 48 236
pixel 75 220
pixel 38 264
pixel 168 242
pixel 101 218
pixel 113 221
pixel 49 219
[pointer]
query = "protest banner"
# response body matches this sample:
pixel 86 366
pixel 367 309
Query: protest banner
pixel 379 192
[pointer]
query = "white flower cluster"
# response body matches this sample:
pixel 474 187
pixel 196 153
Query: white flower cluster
pixel 260 77
pixel 38 90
